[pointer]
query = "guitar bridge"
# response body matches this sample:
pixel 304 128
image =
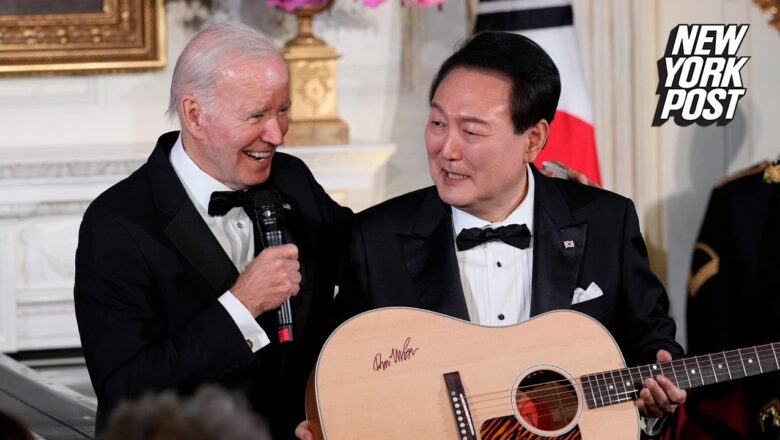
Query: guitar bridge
pixel 456 396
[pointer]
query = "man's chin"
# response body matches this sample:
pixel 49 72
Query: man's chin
pixel 451 196
pixel 256 180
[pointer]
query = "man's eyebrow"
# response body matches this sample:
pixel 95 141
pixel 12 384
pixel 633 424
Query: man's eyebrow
pixel 251 110
pixel 473 120
pixel 264 109
pixel 462 118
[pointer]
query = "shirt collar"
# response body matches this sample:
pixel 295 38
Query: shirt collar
pixel 523 214
pixel 198 183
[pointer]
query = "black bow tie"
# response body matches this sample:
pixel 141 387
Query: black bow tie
pixel 514 235
pixel 223 201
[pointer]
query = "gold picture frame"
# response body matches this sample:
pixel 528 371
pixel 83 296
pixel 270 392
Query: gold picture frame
pixel 122 36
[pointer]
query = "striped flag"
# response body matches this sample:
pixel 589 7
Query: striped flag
pixel 550 23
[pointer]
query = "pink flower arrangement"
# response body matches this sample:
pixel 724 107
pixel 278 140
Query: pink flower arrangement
pixel 293 5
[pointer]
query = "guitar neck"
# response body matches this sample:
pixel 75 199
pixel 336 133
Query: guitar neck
pixel 611 387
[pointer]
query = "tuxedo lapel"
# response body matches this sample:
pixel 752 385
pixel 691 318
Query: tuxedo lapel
pixel 186 228
pixel 429 253
pixel 189 233
pixel 558 246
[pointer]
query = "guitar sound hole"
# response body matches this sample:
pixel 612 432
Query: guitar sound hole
pixel 546 401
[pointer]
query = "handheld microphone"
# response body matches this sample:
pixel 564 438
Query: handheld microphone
pixel 269 216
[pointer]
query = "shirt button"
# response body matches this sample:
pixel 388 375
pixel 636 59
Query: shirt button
pixel 498 263
pixel 500 316
pixel 249 342
pixel 240 225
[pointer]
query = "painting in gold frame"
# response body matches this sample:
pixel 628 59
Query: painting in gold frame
pixel 99 36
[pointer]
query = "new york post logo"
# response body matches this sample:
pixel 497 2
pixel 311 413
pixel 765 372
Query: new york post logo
pixel 699 75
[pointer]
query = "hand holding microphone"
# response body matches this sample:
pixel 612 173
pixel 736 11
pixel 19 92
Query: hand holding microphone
pixel 269 280
pixel 269 217
pixel 274 275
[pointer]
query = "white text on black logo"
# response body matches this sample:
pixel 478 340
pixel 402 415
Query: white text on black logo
pixel 699 75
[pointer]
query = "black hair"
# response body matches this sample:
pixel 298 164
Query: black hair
pixel 536 85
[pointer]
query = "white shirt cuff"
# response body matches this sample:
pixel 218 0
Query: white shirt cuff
pixel 253 334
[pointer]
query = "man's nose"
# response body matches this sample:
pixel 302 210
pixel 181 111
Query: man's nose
pixel 274 131
pixel 451 148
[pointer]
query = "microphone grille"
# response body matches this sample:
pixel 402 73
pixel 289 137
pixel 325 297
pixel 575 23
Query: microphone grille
pixel 267 197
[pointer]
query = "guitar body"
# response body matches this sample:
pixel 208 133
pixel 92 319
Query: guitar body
pixel 382 375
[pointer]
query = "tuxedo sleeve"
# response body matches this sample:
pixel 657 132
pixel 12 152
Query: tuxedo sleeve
pixel 646 324
pixel 128 343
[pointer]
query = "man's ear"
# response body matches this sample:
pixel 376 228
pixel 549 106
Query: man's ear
pixel 192 116
pixel 537 138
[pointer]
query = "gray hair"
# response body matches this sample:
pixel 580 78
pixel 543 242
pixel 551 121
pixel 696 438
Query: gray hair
pixel 208 53
pixel 211 414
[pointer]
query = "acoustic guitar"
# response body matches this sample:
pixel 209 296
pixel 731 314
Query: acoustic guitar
pixel 402 373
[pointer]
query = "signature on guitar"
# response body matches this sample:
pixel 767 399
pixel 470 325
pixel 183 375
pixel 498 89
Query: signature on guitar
pixel 396 356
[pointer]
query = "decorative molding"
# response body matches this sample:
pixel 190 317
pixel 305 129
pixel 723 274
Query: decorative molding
pixel 68 168
pixel 46 326
pixel 26 210
pixel 61 308
pixel 45 294
pixel 353 159
pixel 41 246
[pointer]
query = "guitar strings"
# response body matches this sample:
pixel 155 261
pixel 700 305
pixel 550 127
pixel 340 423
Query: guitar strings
pixel 611 395
pixel 562 398
pixel 662 365
pixel 600 392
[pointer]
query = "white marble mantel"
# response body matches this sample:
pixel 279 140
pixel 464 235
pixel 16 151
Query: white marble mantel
pixel 44 193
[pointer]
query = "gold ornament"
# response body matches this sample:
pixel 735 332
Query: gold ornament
pixel 769 418
pixel 772 173
pixel 313 116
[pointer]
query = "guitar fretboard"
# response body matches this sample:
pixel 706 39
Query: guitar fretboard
pixel 616 386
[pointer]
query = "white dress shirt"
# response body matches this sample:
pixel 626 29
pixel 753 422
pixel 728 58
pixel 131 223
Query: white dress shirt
pixel 495 276
pixel 233 231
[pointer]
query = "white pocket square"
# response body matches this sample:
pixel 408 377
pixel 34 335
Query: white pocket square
pixel 593 291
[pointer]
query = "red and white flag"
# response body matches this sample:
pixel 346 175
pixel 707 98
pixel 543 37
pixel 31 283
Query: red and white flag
pixel 550 23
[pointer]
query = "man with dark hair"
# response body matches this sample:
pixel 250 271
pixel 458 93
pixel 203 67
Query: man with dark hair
pixel 496 242
pixel 168 296
pixel 534 81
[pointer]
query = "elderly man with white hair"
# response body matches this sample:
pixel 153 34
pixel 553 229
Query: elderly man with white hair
pixel 170 297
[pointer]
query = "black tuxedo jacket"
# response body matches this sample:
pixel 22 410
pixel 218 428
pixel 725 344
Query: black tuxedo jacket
pixel 403 254
pixel 148 275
